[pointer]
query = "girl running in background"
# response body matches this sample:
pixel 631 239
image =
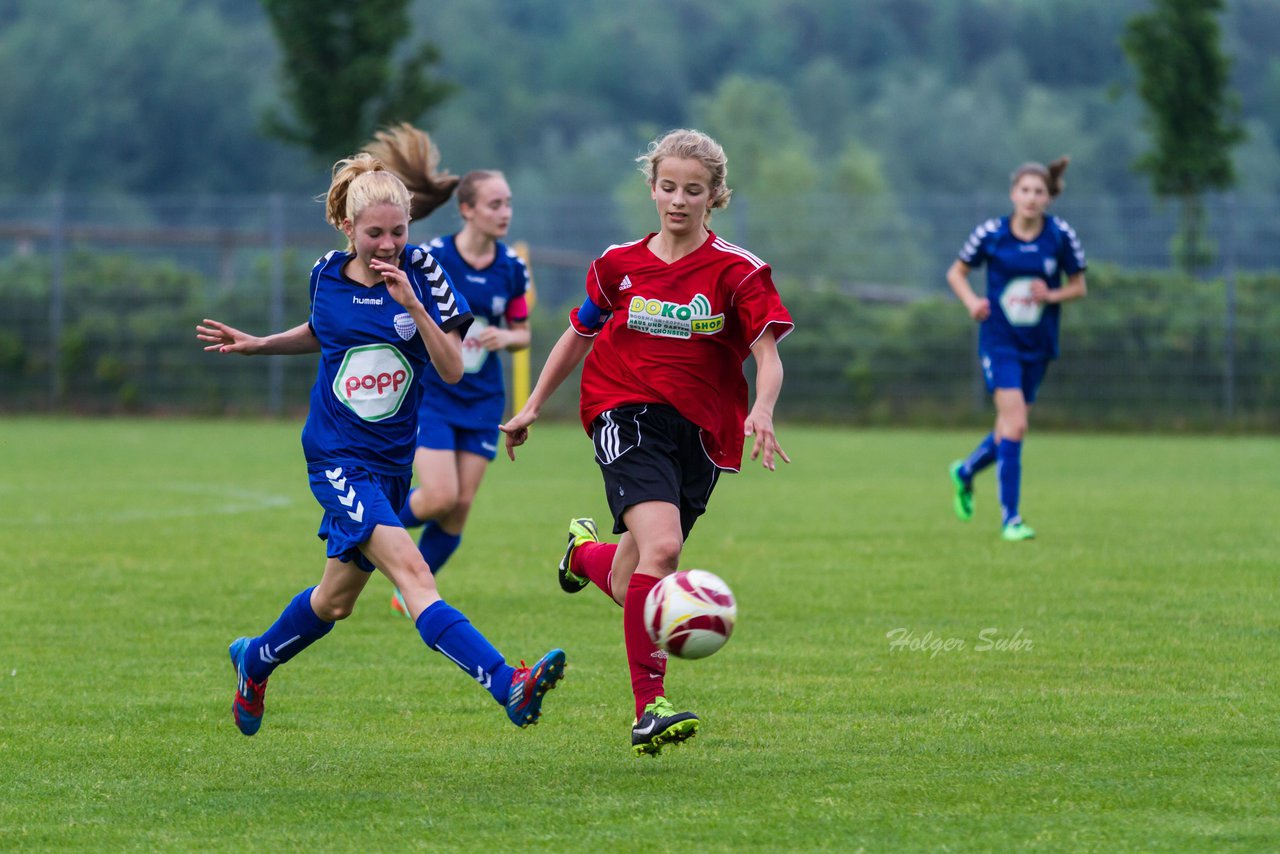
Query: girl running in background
pixel 381 312
pixel 664 330
pixel 458 422
pixel 1026 253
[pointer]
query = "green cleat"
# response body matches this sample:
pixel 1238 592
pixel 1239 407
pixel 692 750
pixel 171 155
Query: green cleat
pixel 962 498
pixel 1016 532
pixel 661 724
pixel 580 531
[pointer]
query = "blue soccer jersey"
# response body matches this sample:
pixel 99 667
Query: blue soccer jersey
pixel 364 404
pixel 1018 325
pixel 478 400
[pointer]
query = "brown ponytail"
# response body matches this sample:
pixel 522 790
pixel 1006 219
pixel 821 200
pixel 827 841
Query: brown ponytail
pixel 413 157
pixel 1051 174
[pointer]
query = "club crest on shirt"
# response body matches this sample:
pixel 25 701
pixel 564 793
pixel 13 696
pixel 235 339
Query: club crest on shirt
pixel 672 320
pixel 405 326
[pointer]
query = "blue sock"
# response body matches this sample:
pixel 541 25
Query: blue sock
pixel 982 456
pixel 436 545
pixel 294 630
pixel 1009 474
pixel 406 512
pixel 447 630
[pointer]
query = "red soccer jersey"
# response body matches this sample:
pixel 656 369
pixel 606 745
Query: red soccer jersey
pixel 678 334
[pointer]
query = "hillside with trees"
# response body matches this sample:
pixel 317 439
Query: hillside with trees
pixel 871 96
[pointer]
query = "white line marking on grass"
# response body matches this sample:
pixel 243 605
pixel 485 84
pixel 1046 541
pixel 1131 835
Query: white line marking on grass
pixel 195 500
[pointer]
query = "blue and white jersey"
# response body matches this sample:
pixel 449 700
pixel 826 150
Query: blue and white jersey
pixel 364 404
pixel 478 400
pixel 1018 325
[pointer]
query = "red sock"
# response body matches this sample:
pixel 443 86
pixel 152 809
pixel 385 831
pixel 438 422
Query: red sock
pixel 594 561
pixel 648 663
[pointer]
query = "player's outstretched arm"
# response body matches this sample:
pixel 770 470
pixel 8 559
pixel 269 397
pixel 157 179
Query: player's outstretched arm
pixel 759 423
pixel 222 338
pixel 569 351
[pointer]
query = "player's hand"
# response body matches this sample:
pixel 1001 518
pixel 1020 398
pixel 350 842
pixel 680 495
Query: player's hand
pixel 517 430
pixel 225 339
pixel 1040 291
pixel 397 282
pixel 764 445
pixel 492 338
pixel 980 309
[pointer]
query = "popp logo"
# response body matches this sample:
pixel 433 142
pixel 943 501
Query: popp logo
pixel 377 384
pixel 1018 304
pixel 373 380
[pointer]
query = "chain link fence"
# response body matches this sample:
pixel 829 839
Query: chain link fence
pixel 99 298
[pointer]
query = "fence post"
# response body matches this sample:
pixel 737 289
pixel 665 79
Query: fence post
pixel 275 367
pixel 1229 320
pixel 979 381
pixel 57 248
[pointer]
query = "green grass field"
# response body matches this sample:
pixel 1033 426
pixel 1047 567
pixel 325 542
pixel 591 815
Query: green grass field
pixel 1128 703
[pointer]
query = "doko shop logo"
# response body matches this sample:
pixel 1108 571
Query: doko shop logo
pixel 373 380
pixel 657 317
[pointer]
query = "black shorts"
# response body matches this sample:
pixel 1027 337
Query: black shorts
pixel 650 452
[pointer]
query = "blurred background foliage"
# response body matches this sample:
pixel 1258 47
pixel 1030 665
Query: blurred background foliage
pixel 857 96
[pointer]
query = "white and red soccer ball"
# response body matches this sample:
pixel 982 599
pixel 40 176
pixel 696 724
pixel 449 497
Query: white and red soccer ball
pixel 690 614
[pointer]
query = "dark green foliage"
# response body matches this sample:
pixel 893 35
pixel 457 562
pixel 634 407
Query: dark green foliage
pixel 342 76
pixel 128 337
pixel 1144 350
pixel 948 95
pixel 1193 118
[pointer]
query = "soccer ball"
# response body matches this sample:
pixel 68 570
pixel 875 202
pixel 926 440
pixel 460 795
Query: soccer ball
pixel 690 613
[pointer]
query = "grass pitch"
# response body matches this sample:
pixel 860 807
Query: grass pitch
pixel 898 680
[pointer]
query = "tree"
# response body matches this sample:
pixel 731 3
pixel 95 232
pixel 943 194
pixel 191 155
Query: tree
pixel 341 75
pixel 1194 120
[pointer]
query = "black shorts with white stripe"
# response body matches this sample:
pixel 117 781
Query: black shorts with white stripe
pixel 650 452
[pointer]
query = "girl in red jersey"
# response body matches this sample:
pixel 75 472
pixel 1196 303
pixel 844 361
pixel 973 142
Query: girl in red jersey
pixel 666 326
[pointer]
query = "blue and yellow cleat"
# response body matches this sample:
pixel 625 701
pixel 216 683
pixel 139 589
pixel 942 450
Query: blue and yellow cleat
pixel 247 706
pixel 580 531
pixel 530 684
pixel 661 724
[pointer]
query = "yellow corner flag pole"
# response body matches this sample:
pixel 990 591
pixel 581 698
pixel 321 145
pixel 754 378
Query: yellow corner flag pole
pixel 520 371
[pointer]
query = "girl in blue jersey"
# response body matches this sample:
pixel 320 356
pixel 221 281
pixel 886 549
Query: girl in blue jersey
pixel 381 313
pixel 458 422
pixel 1027 253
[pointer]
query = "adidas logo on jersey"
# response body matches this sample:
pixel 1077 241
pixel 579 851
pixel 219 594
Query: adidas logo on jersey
pixel 625 284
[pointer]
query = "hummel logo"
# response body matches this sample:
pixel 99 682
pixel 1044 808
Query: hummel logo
pixel 653 722
pixel 625 284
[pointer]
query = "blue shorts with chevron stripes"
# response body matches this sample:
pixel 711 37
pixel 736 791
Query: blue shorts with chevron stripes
pixel 355 501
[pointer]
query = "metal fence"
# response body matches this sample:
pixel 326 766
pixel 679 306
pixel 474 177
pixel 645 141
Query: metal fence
pixel 99 297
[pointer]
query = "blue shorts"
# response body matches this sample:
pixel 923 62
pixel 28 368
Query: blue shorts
pixel 356 501
pixel 436 434
pixel 1003 371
